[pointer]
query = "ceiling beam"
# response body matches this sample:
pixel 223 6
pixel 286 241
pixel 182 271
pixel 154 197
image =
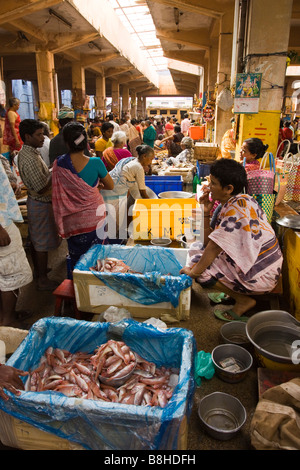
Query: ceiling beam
pixel 194 38
pixel 14 9
pixel 193 6
pixel 17 46
pixel 143 89
pixel 132 79
pixel 118 71
pixel 191 57
pixel 98 59
pixel 28 28
pixel 62 42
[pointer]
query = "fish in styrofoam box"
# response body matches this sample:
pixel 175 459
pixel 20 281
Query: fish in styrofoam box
pixel 98 425
pixel 159 290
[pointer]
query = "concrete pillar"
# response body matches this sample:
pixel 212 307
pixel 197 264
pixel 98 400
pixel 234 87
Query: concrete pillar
pixel 222 118
pixel 45 79
pixel 141 107
pixel 268 34
pixel 125 99
pixel 212 66
pixel 78 87
pixel 133 109
pixel 100 95
pixel 115 94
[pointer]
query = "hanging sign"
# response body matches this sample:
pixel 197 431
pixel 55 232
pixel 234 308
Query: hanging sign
pixel 247 93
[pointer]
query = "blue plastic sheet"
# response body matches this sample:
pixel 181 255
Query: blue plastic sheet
pixel 102 425
pixel 147 288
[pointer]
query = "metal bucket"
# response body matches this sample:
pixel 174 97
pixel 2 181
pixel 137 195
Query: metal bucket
pixel 222 415
pixel 275 335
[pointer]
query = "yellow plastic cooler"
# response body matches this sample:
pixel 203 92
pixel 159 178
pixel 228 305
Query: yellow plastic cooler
pixel 156 218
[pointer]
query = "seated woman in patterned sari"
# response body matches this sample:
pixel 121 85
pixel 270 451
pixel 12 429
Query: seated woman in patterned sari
pixel 240 256
pixel 78 206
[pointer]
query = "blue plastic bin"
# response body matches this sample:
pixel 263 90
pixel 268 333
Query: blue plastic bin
pixel 98 425
pixel 160 184
pixel 203 169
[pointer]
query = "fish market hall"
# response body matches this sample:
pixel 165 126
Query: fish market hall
pixel 149 237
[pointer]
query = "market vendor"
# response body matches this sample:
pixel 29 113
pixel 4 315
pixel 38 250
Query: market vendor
pixel 251 151
pixel 129 173
pixel 187 152
pixel 77 202
pixel 241 255
pixel 228 141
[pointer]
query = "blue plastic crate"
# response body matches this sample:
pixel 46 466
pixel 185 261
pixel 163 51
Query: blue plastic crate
pixel 203 169
pixel 160 184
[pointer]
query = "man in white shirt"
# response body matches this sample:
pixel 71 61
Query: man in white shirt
pixel 124 128
pixel 44 151
pixel 114 123
pixel 185 125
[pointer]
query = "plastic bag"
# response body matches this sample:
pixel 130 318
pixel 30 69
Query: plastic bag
pixel 160 281
pixel 225 99
pixel 113 315
pixel 98 425
pixel 156 322
pixel 203 367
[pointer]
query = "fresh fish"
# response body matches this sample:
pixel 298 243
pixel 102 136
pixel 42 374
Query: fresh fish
pixel 76 375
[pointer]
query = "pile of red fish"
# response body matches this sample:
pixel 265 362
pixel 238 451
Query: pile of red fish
pixel 78 374
pixel 112 265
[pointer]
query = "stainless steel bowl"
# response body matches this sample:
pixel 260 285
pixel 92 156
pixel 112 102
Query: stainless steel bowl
pixel 234 332
pixel 290 221
pixel 175 195
pixel 161 241
pixel 241 358
pixel 272 333
pixel 221 415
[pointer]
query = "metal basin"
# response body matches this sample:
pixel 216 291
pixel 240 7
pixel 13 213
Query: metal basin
pixel 221 415
pixel 161 241
pixel 275 335
pixel 234 332
pixel 175 195
pixel 290 221
pixel 240 358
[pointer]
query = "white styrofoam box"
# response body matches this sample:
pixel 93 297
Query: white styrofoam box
pixel 93 296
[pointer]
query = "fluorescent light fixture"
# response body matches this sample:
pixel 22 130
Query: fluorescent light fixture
pixel 59 18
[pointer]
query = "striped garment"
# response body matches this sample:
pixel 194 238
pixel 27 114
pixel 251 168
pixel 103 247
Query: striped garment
pixel 41 225
pixel 251 259
pixel 34 173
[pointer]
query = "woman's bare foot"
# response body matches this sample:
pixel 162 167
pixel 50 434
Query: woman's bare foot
pixel 241 307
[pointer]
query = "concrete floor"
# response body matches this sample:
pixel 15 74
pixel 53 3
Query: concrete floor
pixel 206 329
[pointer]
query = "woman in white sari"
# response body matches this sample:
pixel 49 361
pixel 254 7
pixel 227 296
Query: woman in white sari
pixel 129 173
